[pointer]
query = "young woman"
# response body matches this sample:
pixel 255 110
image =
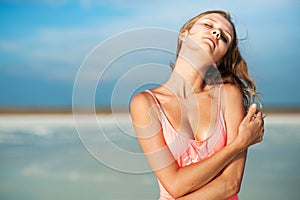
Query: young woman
pixel 193 128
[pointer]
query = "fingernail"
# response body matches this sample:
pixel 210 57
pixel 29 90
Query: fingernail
pixel 253 105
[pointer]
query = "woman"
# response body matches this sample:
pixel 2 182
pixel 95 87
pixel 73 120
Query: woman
pixel 191 128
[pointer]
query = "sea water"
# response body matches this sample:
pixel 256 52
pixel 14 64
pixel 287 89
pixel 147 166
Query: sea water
pixel 46 157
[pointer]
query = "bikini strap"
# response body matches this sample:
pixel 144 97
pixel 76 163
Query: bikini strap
pixel 156 100
pixel 153 96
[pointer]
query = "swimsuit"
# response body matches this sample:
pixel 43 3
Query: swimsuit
pixel 187 151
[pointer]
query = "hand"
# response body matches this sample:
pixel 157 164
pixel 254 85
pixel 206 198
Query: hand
pixel 251 129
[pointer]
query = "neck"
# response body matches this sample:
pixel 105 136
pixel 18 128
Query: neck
pixel 186 79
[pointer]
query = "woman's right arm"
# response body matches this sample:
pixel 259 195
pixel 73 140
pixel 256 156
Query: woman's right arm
pixel 180 181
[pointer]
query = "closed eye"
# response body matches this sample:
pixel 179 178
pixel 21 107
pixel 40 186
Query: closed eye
pixel 224 38
pixel 208 25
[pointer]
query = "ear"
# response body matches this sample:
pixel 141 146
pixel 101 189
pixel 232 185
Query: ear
pixel 184 34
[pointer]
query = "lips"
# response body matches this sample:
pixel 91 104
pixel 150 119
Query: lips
pixel 213 41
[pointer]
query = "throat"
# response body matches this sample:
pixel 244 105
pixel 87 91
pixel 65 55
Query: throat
pixel 184 86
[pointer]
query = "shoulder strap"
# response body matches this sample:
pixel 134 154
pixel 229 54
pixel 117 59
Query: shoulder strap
pixel 156 101
pixel 153 96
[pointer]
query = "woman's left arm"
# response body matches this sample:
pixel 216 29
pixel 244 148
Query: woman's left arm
pixel 228 183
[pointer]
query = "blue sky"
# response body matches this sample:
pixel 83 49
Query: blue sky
pixel 43 44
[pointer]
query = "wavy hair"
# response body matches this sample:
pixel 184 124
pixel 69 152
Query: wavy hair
pixel 233 68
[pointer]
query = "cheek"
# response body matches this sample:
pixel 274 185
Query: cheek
pixel 220 54
pixel 223 50
pixel 195 29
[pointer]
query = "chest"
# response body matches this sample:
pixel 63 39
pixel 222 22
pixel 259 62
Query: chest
pixel 194 119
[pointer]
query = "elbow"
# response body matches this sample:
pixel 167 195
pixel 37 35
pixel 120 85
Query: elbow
pixel 175 189
pixel 178 187
pixel 233 187
pixel 236 186
pixel 230 186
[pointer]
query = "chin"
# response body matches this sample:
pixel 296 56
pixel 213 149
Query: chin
pixel 207 49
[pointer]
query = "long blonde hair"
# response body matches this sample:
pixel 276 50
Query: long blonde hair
pixel 233 68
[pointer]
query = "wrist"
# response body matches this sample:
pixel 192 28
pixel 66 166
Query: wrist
pixel 238 145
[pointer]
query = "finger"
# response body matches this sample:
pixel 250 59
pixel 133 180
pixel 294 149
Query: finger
pixel 251 112
pixel 259 115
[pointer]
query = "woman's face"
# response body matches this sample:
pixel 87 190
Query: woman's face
pixel 214 34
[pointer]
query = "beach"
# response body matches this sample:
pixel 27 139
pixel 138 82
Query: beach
pixel 46 156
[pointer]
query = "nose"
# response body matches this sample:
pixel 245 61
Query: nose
pixel 216 33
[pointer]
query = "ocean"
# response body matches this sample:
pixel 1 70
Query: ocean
pixel 48 156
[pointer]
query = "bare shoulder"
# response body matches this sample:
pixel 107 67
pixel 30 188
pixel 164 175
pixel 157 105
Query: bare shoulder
pixel 233 97
pixel 142 106
pixel 141 100
pixel 233 93
pixel 231 89
pixel 234 110
pixel 145 99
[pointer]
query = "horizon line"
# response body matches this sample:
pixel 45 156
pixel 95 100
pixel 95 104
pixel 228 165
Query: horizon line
pixel 107 110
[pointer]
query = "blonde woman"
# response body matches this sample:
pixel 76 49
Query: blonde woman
pixel 193 128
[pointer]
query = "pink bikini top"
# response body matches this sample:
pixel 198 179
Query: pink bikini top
pixel 187 151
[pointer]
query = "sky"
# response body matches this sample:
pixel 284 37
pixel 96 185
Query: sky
pixel 45 46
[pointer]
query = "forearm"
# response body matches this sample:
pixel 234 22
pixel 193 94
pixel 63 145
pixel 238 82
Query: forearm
pixel 224 186
pixel 220 188
pixel 193 177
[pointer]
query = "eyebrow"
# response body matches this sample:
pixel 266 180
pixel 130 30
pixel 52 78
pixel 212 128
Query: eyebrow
pixel 226 31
